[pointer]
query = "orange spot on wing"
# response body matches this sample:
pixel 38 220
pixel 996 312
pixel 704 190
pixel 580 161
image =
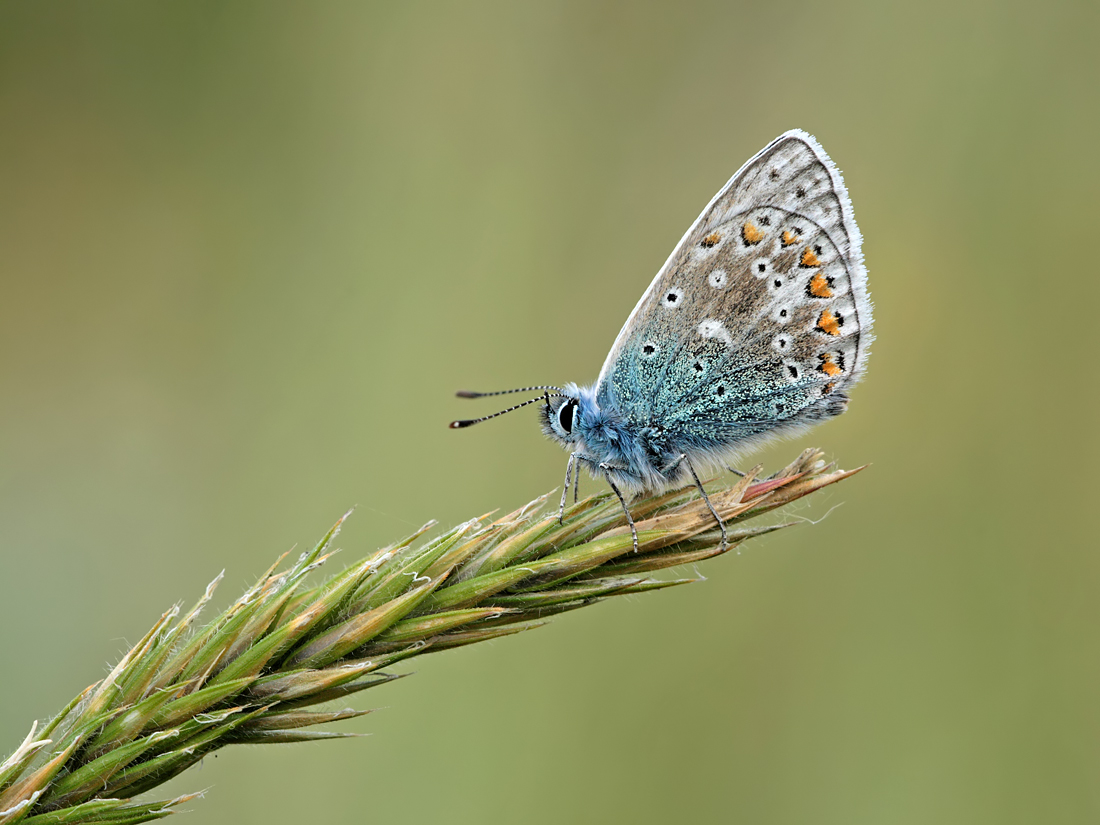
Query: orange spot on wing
pixel 829 367
pixel 829 323
pixel 828 388
pixel 711 239
pixel 819 286
pixel 789 237
pixel 809 258
pixel 751 234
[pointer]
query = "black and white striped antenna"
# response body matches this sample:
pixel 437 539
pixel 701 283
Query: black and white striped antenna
pixel 467 422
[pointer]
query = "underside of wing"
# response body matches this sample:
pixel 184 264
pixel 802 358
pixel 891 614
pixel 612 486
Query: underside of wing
pixel 760 316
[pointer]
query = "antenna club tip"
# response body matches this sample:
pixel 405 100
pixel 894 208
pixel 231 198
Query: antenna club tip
pixel 467 394
pixel 458 425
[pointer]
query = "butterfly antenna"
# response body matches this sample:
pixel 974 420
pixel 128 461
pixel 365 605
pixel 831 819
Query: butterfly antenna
pixel 456 425
pixel 470 394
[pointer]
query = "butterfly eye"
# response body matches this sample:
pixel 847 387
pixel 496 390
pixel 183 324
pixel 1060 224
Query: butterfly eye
pixel 565 415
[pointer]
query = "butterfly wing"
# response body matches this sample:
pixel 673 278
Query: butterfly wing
pixel 760 318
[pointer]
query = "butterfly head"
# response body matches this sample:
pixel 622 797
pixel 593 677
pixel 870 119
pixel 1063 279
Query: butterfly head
pixel 569 418
pixel 560 417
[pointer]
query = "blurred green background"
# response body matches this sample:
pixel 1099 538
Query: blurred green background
pixel 248 251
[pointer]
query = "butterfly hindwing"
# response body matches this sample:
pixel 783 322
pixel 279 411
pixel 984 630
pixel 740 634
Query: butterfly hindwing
pixel 760 317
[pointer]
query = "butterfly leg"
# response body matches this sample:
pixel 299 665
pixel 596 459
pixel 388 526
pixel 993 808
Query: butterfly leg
pixel 568 480
pixel 629 518
pixel 706 498
pixel 743 475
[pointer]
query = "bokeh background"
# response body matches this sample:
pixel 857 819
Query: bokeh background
pixel 248 250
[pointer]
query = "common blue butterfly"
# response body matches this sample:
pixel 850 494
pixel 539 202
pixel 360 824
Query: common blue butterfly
pixel 756 326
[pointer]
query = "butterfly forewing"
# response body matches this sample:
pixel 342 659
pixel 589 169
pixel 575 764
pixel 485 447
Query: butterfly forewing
pixel 760 317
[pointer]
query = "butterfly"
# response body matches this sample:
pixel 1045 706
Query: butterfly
pixel 756 326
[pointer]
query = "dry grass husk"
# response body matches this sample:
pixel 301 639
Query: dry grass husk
pixel 258 671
